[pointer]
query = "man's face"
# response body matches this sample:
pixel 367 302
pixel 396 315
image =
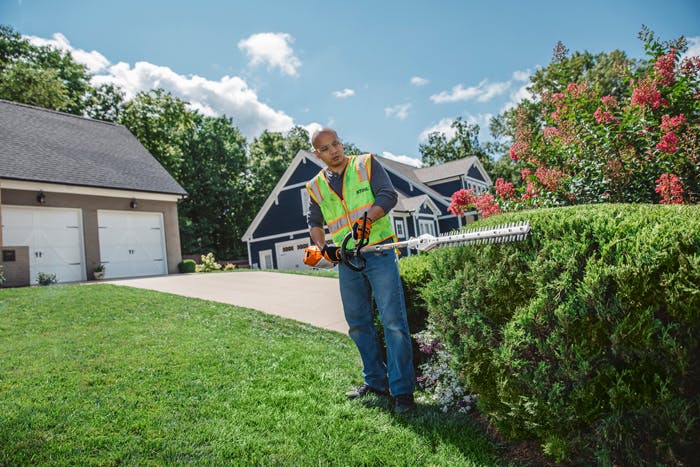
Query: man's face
pixel 329 149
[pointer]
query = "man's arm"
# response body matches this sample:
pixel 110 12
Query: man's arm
pixel 385 196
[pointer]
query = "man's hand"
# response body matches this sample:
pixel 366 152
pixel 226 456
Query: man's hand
pixel 331 253
pixel 361 229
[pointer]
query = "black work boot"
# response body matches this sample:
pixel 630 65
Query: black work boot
pixel 404 404
pixel 364 390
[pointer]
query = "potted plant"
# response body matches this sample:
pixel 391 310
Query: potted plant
pixel 99 272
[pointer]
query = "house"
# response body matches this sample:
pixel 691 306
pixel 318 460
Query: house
pixel 278 234
pixel 77 192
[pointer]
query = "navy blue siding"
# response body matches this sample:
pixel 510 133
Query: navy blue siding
pixel 475 174
pixel 448 224
pixel 447 188
pixel 286 216
pixel 304 173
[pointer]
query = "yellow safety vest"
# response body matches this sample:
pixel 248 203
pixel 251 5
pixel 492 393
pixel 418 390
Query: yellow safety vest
pixel 341 214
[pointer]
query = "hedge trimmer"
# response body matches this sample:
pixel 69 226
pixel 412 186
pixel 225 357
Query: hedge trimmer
pixel 354 259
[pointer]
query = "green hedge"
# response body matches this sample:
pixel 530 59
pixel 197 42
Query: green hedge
pixel 186 266
pixel 586 335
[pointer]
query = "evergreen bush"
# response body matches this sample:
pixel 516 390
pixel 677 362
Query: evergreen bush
pixel 586 335
pixel 186 266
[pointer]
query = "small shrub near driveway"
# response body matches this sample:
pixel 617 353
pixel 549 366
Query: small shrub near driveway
pixel 187 266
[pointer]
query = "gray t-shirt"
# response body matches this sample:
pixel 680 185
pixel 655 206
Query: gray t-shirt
pixel 385 195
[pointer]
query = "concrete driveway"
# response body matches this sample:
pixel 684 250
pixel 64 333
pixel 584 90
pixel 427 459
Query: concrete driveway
pixel 311 300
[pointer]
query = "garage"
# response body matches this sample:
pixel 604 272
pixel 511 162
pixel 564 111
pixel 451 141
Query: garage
pixel 54 237
pixel 131 243
pixel 290 254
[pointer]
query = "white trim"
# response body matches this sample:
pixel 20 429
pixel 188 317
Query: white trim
pixel 86 190
pixel 301 155
pixel 267 252
pixel 284 234
pixel 400 223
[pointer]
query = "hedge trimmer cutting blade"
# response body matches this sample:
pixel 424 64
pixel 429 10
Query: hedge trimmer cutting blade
pixel 500 234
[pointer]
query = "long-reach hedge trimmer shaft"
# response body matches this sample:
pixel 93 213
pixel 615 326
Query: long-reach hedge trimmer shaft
pixel 426 242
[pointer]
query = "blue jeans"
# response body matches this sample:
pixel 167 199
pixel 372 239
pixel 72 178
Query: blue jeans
pixel 380 276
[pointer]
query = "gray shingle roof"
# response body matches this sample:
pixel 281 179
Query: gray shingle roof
pixel 412 204
pixel 48 146
pixel 443 171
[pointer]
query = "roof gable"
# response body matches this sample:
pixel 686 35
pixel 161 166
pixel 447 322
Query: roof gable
pixel 302 157
pixel 48 146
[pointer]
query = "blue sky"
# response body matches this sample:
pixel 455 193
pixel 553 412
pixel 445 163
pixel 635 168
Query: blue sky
pixel 383 73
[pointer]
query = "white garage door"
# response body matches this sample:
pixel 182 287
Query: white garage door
pixel 290 254
pixel 132 243
pixel 54 237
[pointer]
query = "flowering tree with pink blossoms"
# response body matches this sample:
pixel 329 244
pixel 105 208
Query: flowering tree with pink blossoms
pixel 640 146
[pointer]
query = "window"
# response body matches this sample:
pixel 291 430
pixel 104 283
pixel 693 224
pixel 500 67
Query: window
pixel 426 227
pixel 305 202
pixel 400 228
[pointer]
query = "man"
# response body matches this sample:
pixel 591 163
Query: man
pixel 340 194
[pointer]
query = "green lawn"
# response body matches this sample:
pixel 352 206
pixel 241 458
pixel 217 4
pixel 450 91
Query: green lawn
pixel 101 374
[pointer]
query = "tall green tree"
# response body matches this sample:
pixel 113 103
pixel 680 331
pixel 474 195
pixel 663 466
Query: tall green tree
pixel 30 84
pixel 41 75
pixel 217 211
pixel 465 143
pixel 270 155
pixel 105 102
pixel 162 123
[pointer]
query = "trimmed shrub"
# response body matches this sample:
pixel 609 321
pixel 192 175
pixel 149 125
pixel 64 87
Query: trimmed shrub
pixel 586 335
pixel 186 266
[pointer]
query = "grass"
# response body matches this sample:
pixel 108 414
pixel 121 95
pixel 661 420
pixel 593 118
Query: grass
pixel 101 374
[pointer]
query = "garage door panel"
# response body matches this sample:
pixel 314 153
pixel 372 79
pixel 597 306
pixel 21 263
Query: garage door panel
pixel 54 238
pixel 131 243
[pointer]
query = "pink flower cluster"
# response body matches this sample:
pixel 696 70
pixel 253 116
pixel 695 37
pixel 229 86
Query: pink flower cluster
pixel 550 132
pixel 668 143
pixel 609 101
pixel 504 189
pixel 646 94
pixel 603 116
pixel 670 188
pixel 486 205
pixel 530 191
pixel 461 201
pixel 519 150
pixel 669 123
pixel 664 68
pixel 551 178
pixel 575 90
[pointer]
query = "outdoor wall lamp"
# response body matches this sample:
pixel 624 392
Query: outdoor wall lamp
pixel 41 198
pixel 133 203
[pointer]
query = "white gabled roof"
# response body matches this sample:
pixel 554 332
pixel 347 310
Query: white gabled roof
pixel 301 157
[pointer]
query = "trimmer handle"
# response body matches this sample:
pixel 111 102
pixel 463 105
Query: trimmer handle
pixel 346 255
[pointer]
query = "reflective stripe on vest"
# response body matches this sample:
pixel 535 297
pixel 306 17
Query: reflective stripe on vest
pixel 340 214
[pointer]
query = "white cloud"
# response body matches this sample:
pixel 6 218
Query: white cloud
pixel 403 159
pixel 347 92
pixel 399 111
pixel 230 95
pixel 94 61
pixel 273 50
pixel 443 126
pixel 522 75
pixel 693 47
pixel 483 92
pixel 418 81
pixel 518 96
